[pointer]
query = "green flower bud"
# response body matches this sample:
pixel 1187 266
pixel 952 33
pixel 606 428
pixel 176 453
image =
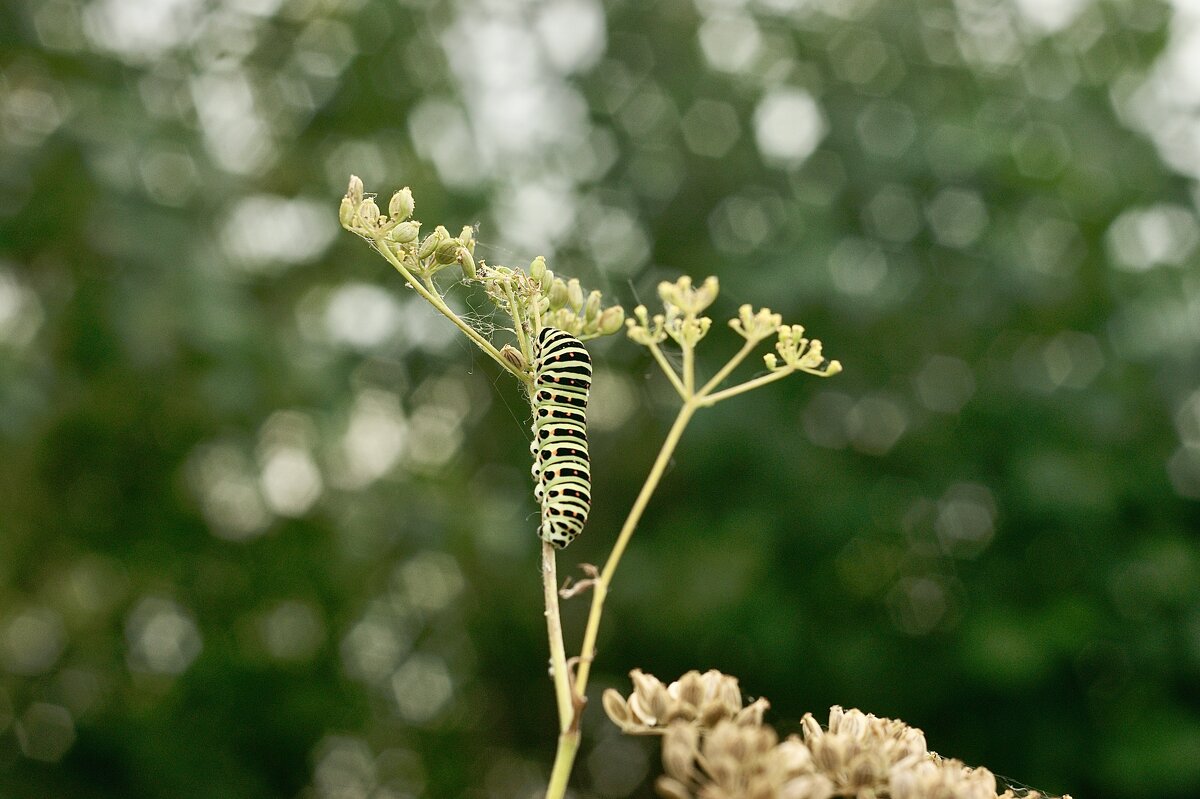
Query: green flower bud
pixel 575 294
pixel 346 212
pixel 537 268
pixel 402 204
pixel 447 251
pixel 592 309
pixel 433 241
pixel 405 232
pixel 467 237
pixel 611 320
pixel 559 294
pixel 547 281
pixel 468 262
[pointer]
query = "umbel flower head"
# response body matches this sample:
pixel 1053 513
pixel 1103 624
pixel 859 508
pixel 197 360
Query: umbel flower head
pixel 714 747
pixel 533 298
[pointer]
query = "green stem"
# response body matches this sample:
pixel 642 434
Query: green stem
pixel 689 370
pixel 712 399
pixel 564 761
pixel 514 312
pixel 600 588
pixel 558 653
pixel 725 370
pixel 668 370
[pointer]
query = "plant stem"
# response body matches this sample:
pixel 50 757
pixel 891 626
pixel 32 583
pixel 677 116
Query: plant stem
pixel 712 399
pixel 668 370
pixel 600 588
pixel 689 370
pixel 725 370
pixel 558 653
pixel 514 311
pixel 564 761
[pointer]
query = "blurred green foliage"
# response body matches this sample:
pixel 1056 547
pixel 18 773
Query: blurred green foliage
pixel 266 526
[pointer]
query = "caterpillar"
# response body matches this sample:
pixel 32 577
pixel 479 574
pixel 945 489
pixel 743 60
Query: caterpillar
pixel 562 375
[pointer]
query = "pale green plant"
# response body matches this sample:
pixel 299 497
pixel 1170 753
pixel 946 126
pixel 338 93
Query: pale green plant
pixel 534 298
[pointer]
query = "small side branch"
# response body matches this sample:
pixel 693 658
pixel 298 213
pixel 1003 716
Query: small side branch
pixel 668 370
pixel 712 399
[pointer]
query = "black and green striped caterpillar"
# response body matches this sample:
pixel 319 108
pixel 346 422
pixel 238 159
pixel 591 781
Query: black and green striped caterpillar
pixel 561 378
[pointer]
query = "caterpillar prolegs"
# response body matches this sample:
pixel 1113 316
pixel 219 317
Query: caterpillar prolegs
pixel 561 378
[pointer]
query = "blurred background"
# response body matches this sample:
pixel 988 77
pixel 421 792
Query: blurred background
pixel 266 524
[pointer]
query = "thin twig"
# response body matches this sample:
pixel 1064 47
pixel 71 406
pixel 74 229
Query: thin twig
pixel 668 370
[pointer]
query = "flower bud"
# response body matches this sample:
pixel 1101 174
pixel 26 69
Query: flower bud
pixel 537 268
pixel 547 281
pixel 402 204
pixel 468 262
pixel 592 309
pixel 369 213
pixel 433 241
pixel 446 251
pixel 559 294
pixel 611 320
pixel 575 294
pixel 467 237
pixel 346 212
pixel 513 355
pixel 707 293
pixel 405 232
pixel 428 245
pixel 354 192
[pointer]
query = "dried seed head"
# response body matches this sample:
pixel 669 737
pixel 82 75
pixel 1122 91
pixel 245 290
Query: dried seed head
pixel 614 704
pixel 679 750
pixel 671 789
pixel 738 757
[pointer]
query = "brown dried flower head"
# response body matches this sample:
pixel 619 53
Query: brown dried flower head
pixel 714 748
pixel 704 699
